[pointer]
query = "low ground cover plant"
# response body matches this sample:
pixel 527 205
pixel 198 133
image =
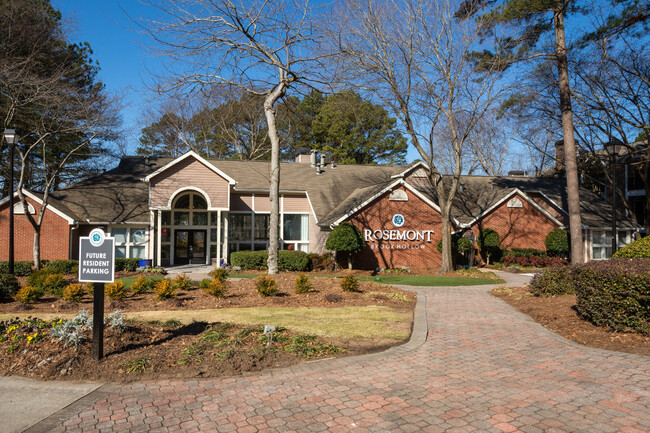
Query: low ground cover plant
pixel 28 295
pixel 552 282
pixel 534 261
pixel 141 285
pixel 266 286
pixel 73 292
pixel 9 286
pixel 614 293
pixel 116 291
pixel 164 289
pixel 303 284
pixel 350 284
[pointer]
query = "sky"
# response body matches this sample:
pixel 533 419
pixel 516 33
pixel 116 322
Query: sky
pixel 119 49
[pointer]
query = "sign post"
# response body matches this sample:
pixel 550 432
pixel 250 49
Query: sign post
pixel 97 266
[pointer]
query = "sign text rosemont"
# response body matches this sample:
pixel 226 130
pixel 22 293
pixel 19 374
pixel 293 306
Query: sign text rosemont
pixel 397 235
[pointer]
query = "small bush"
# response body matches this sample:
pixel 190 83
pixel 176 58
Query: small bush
pixel 489 243
pixel 219 274
pixel 73 292
pixel 165 289
pixel 639 249
pixel 266 286
pixel 287 260
pixel 345 238
pixel 54 284
pixel 350 284
pixel 116 291
pixel 73 332
pixel 63 266
pixel 37 278
pixel 182 282
pixel 614 293
pixel 303 284
pixel 122 264
pixel 9 286
pixel 322 262
pixel 216 287
pixel 21 268
pixel 28 295
pixel 459 245
pixel 141 285
pixel 203 284
pixel 557 243
pixel 90 289
pixel 552 282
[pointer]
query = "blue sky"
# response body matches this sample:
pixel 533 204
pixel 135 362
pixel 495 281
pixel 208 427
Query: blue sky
pixel 119 50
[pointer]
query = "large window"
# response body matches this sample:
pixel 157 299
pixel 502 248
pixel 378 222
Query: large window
pixel 601 243
pixel 130 242
pixel 296 232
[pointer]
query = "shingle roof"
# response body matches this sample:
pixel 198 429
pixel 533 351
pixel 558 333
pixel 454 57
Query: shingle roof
pixel 120 196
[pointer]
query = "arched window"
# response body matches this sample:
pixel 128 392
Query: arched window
pixel 190 209
pixel 20 210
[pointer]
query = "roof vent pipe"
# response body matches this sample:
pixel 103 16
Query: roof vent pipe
pixel 312 158
pixel 322 160
pixel 333 161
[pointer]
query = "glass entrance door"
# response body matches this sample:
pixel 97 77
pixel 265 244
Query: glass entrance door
pixel 189 246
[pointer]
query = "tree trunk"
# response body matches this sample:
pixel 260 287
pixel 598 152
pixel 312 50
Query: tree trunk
pixel 570 151
pixel 446 264
pixel 274 182
pixel 37 247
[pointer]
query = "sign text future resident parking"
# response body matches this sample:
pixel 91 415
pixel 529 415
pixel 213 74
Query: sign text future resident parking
pixel 97 258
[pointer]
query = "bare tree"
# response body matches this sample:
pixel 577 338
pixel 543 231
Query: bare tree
pixel 413 56
pixel 264 48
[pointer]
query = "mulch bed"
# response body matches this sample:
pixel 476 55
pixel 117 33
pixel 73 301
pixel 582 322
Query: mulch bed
pixel 153 351
pixel 559 315
pixel 327 292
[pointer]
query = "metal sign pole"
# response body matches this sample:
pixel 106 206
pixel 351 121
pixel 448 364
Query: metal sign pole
pixel 98 321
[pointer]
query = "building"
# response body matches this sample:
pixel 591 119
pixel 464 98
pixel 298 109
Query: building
pixel 184 210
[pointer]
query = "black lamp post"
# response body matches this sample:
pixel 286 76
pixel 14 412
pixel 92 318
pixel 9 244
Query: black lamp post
pixel 12 138
pixel 613 149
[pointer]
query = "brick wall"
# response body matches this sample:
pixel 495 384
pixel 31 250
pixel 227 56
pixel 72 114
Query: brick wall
pixel 418 216
pixel 523 227
pixel 55 235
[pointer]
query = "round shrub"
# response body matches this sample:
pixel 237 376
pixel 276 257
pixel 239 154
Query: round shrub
pixel 345 238
pixel 37 278
pixel 182 282
pixel 9 286
pixel 28 295
pixel 552 282
pixel 557 243
pixel 639 249
pixel 216 287
pixel 266 286
pixel 54 284
pixel 165 289
pixel 350 284
pixel 303 284
pixel 116 291
pixel 489 244
pixel 459 244
pixel 219 274
pixel 73 292
pixel 141 285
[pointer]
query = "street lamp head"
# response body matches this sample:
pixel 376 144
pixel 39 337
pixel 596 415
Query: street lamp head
pixel 613 147
pixel 11 136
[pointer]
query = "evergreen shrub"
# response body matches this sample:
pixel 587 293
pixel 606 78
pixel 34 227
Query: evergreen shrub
pixel 9 286
pixel 63 266
pixel 287 260
pixel 21 268
pixel 266 286
pixel 303 284
pixel 123 264
pixel 554 281
pixel 73 292
pixel 141 285
pixel 115 291
pixel 28 295
pixel 557 243
pixel 54 284
pixel 165 289
pixel 638 249
pixel 350 284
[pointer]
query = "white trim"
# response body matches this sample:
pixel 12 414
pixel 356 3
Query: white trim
pixel 382 192
pixel 20 210
pixel 196 156
pixel 312 208
pixel 35 198
pixel 173 196
pixel 403 174
pixel 525 197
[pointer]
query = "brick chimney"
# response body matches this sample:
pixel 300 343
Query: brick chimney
pixel 303 155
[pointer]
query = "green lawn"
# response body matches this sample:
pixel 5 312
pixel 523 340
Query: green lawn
pixel 426 280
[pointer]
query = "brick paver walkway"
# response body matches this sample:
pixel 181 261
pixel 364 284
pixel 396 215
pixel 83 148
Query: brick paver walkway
pixel 482 367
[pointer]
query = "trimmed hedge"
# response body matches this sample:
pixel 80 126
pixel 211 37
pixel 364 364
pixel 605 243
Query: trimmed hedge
pixel 557 243
pixel 63 266
pixel 122 264
pixel 614 293
pixel 287 260
pixel 639 249
pixel 524 252
pixel 21 268
pixel 552 282
pixel 536 261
